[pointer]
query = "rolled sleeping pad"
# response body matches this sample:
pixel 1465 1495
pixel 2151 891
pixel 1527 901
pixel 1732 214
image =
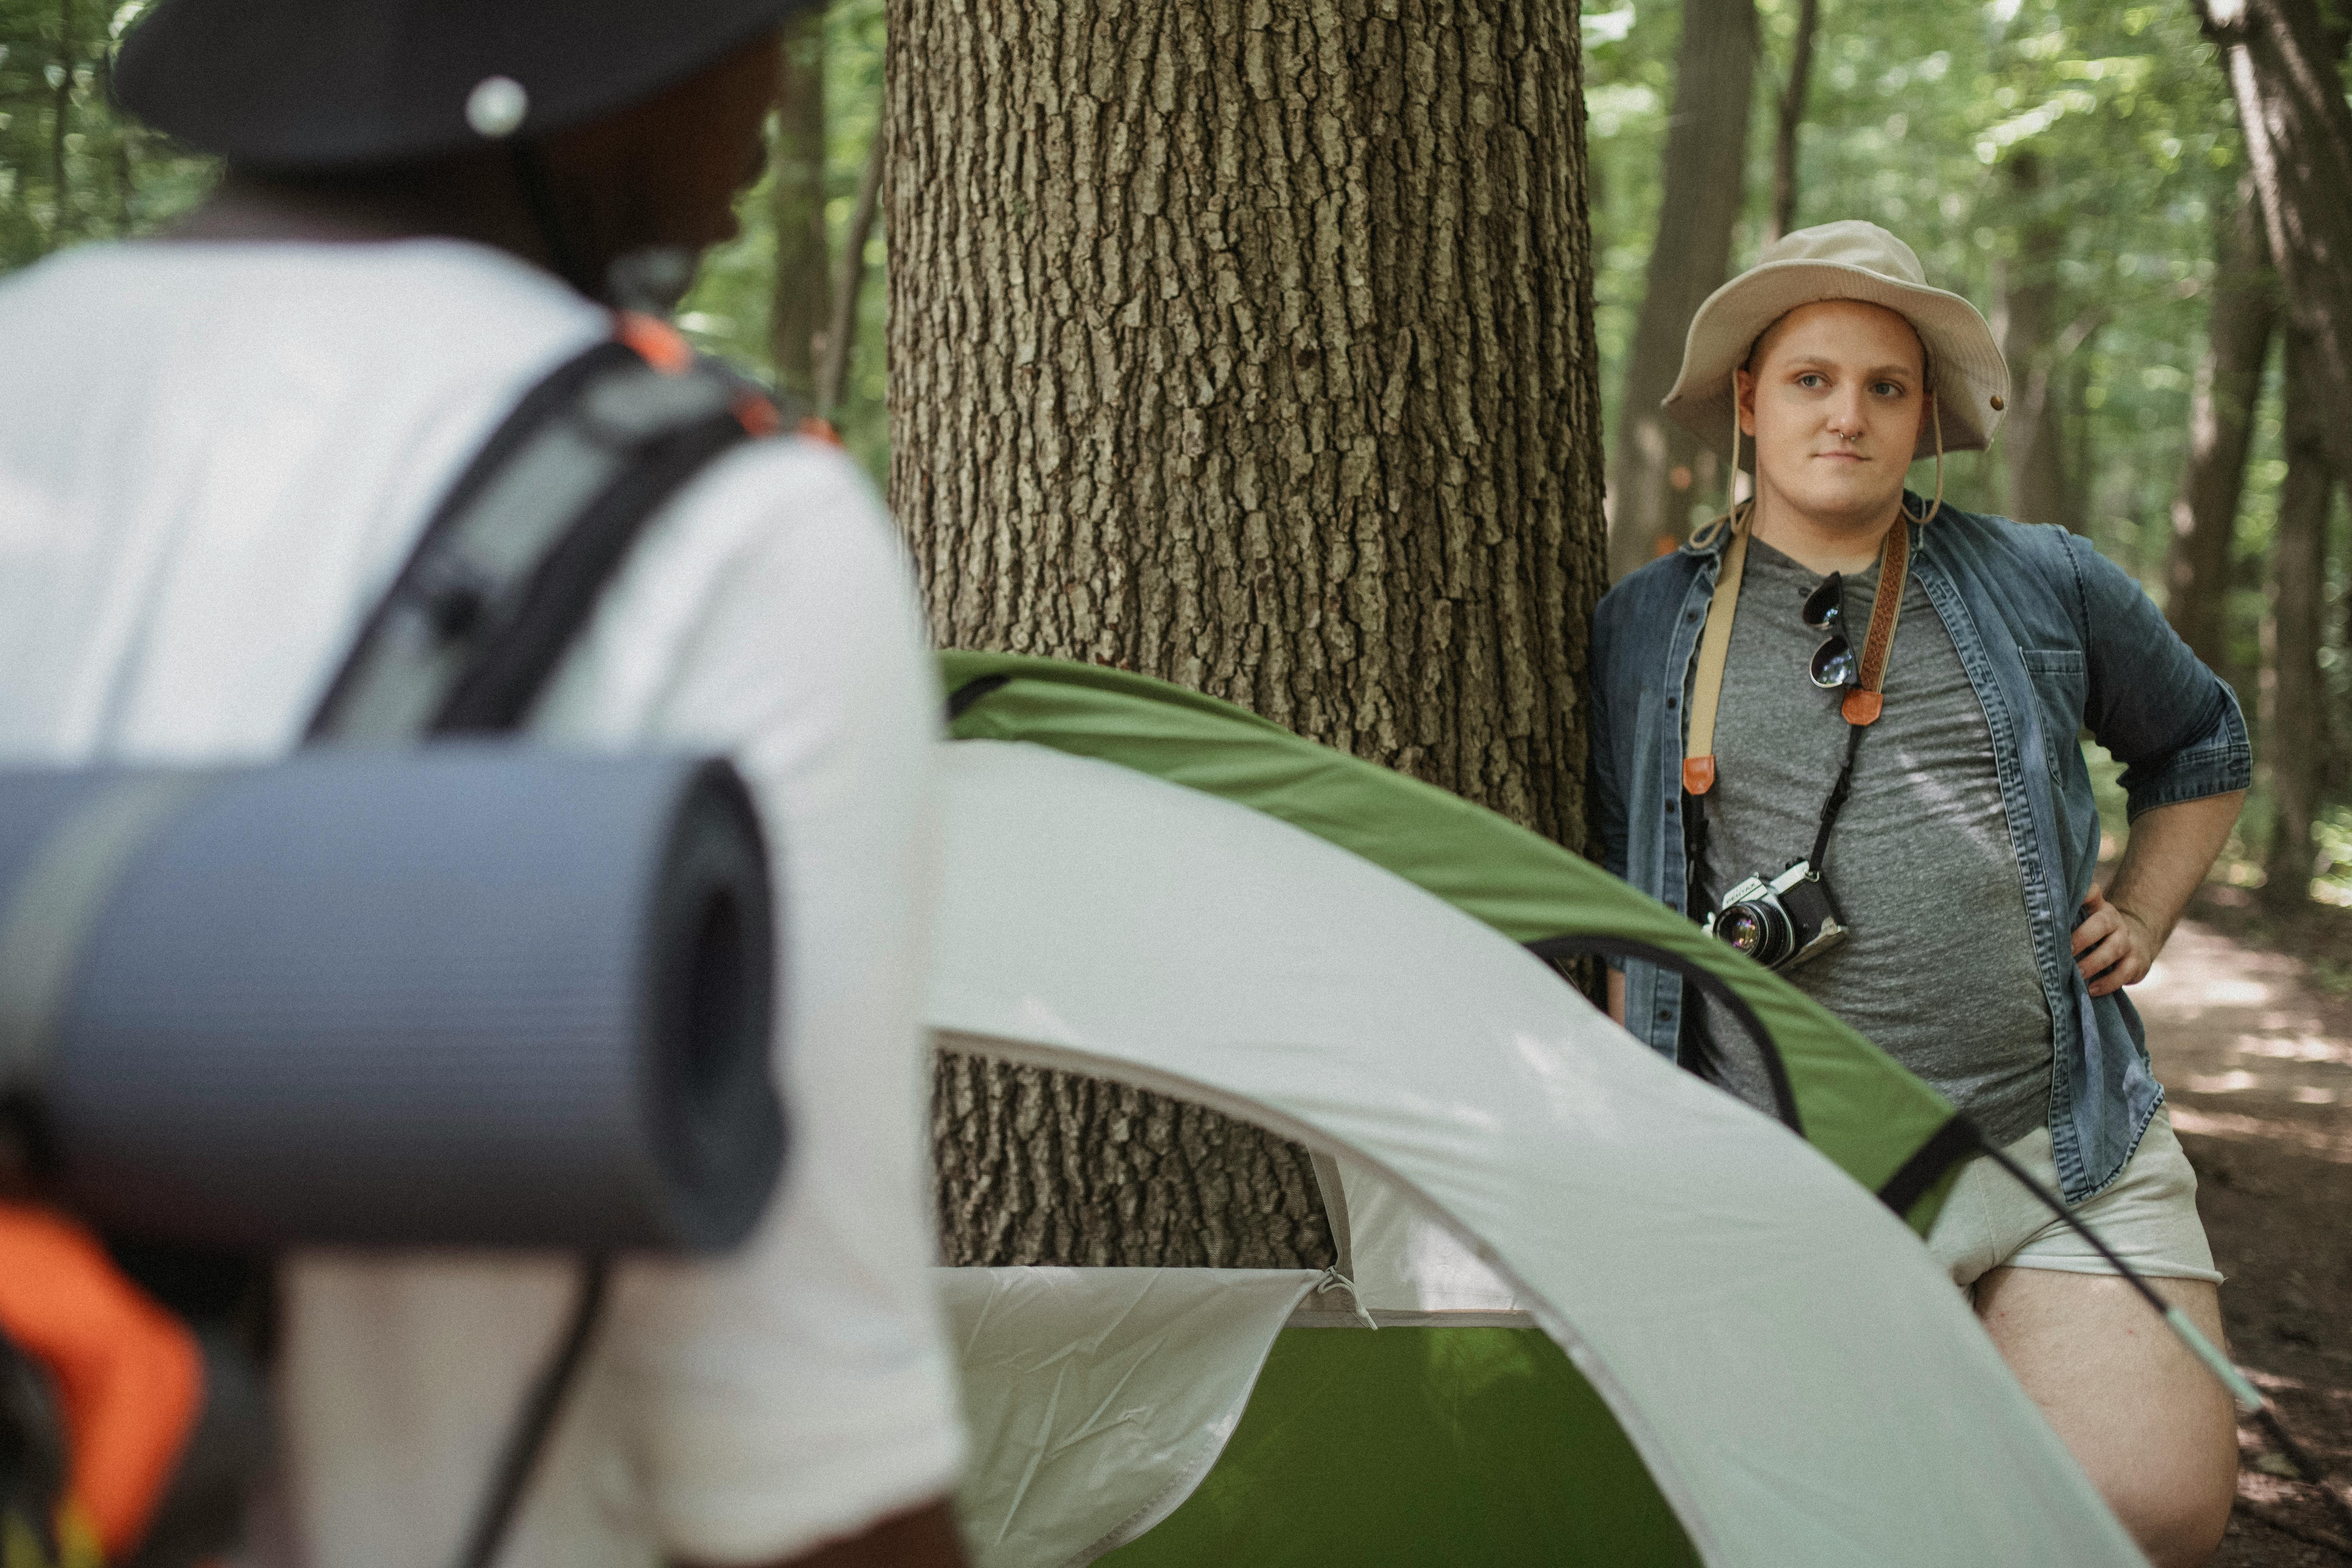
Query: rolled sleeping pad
pixel 471 995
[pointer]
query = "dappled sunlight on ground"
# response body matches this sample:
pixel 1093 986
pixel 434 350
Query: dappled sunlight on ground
pixel 2256 1060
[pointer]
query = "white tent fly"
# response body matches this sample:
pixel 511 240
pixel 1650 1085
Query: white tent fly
pixel 1800 1384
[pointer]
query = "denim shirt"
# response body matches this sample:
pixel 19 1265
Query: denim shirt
pixel 2053 638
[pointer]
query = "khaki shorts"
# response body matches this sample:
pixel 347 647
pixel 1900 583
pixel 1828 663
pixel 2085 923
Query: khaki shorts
pixel 2148 1214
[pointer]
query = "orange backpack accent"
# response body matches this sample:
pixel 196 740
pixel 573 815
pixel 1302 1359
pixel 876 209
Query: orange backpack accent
pixel 657 342
pixel 129 1376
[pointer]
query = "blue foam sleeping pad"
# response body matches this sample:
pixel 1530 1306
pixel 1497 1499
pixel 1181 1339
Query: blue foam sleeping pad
pixel 468 995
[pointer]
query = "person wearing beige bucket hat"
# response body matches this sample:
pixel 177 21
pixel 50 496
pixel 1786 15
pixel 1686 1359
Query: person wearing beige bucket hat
pixel 1838 727
pixel 1967 375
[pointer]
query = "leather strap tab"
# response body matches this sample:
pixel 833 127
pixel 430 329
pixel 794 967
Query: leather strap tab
pixel 1863 705
pixel 1714 653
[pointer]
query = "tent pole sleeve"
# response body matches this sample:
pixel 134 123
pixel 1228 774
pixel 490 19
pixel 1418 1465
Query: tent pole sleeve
pixel 1954 1142
pixel 961 698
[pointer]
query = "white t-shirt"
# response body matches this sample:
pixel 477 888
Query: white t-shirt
pixel 212 460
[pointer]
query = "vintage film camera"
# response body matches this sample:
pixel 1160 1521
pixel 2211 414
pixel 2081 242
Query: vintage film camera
pixel 1781 922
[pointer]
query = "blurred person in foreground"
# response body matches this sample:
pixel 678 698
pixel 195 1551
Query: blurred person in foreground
pixel 217 446
pixel 1758 708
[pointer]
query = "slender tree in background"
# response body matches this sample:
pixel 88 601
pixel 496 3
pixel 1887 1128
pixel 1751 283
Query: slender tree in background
pixel 1249 346
pixel 2294 715
pixel 2239 328
pixel 1659 470
pixel 1793 93
pixel 61 117
pixel 2284 63
pixel 126 181
pixel 2027 311
pixel 801 304
pixel 840 341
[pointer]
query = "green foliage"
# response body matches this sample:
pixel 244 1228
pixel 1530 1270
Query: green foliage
pixel 71 169
pixel 727 311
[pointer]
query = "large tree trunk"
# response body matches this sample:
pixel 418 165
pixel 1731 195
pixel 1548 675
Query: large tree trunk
pixel 1249 345
pixel 2294 726
pixel 1660 471
pixel 2283 61
pixel 2220 432
pixel 802 307
pixel 1793 93
pixel 2035 442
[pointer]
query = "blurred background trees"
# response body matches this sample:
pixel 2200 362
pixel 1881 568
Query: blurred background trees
pixel 2176 299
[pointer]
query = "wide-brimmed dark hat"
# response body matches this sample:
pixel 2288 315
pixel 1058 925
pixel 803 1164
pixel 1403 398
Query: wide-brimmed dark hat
pixel 316 84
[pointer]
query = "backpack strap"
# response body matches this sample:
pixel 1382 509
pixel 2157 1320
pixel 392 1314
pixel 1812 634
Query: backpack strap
pixel 511 566
pixel 506 574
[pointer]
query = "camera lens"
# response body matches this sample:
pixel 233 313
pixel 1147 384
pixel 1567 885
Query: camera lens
pixel 1758 929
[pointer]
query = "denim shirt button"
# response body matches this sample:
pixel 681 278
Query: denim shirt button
pixel 1670 703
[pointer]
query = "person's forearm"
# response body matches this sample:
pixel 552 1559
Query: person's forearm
pixel 2166 856
pixel 1617 995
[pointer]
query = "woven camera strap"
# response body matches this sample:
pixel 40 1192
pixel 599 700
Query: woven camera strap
pixel 504 576
pixel 1864 703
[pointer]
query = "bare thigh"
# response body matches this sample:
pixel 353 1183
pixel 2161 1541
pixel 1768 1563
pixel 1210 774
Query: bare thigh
pixel 2151 1428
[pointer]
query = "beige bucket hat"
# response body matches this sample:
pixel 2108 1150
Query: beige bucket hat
pixel 1849 259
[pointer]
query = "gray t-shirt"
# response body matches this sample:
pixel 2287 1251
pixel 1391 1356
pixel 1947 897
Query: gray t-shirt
pixel 1939 968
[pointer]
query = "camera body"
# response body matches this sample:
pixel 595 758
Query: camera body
pixel 1783 922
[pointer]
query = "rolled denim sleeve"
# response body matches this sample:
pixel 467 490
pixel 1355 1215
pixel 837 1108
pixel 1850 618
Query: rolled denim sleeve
pixel 2174 724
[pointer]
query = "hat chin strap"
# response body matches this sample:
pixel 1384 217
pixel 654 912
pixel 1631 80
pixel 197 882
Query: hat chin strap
pixel 538 194
pixel 1935 413
pixel 1711 530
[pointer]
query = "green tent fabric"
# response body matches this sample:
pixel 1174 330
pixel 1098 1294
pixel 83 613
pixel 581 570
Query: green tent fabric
pixel 1422 1448
pixel 1877 1122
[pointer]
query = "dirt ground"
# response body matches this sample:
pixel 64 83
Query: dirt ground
pixel 2250 1021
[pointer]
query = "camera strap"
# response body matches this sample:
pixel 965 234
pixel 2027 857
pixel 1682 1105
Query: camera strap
pixel 1862 704
pixel 1864 701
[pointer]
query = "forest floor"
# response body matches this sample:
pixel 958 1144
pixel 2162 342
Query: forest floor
pixel 2250 1021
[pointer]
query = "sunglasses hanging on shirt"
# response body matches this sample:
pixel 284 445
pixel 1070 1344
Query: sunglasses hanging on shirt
pixel 1834 664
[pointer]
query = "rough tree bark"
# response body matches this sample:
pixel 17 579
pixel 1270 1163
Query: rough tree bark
pixel 2283 60
pixel 2221 431
pixel 2034 443
pixel 802 306
pixel 1659 471
pixel 1793 93
pixel 2295 727
pixel 1248 343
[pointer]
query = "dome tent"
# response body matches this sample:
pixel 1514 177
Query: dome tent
pixel 1148 885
